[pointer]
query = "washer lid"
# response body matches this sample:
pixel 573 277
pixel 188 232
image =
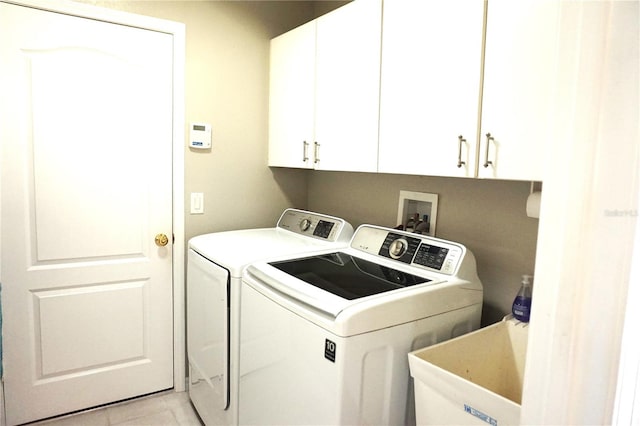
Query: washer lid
pixel 345 317
pixel 347 276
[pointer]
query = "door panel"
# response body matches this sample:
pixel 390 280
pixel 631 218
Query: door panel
pixel 71 319
pixel 102 148
pixel 86 184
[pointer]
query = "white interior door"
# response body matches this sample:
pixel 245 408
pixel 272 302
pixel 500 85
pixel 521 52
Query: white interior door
pixel 86 136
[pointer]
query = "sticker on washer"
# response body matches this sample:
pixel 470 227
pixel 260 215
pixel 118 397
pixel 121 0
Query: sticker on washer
pixel 479 414
pixel 330 350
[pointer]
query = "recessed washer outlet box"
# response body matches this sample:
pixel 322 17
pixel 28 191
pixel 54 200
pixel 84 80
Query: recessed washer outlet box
pixel 422 204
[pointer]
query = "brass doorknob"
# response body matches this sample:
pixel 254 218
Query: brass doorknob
pixel 162 240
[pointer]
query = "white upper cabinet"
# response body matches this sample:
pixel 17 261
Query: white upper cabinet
pixel 443 88
pixel 325 82
pixel 292 97
pixel 519 73
pixel 432 75
pixel 431 69
pixel 348 87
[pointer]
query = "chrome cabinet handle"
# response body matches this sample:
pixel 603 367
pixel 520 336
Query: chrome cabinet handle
pixel 316 152
pixel 486 153
pixel 460 141
pixel 305 151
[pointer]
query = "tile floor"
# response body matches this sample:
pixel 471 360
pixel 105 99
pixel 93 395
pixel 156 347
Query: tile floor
pixel 163 409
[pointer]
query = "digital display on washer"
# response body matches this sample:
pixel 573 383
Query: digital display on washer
pixel 323 229
pixel 347 276
pixel 431 256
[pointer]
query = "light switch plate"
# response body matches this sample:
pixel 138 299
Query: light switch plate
pixel 197 203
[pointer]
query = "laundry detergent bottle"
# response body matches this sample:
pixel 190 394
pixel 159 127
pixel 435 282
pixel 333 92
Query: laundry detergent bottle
pixel 521 307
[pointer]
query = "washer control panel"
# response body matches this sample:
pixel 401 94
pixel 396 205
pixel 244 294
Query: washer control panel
pixel 315 225
pixel 415 250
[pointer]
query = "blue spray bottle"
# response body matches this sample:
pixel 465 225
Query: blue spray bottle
pixel 521 307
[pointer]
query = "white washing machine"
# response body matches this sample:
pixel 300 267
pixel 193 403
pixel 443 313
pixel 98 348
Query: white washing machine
pixel 325 337
pixel 214 270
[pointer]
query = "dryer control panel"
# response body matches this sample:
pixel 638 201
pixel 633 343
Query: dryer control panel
pixel 315 225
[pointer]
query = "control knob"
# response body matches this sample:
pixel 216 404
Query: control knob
pixel 305 224
pixel 397 248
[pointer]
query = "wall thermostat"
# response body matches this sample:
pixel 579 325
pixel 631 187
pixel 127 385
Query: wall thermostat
pixel 200 135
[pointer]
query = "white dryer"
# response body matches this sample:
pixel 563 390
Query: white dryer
pixel 325 337
pixel 214 270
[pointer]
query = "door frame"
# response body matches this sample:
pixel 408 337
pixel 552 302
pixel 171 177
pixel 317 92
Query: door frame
pixel 582 358
pixel 177 30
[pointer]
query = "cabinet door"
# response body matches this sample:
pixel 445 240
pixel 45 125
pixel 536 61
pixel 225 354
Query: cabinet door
pixel 431 67
pixel 520 63
pixel 347 87
pixel 291 97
